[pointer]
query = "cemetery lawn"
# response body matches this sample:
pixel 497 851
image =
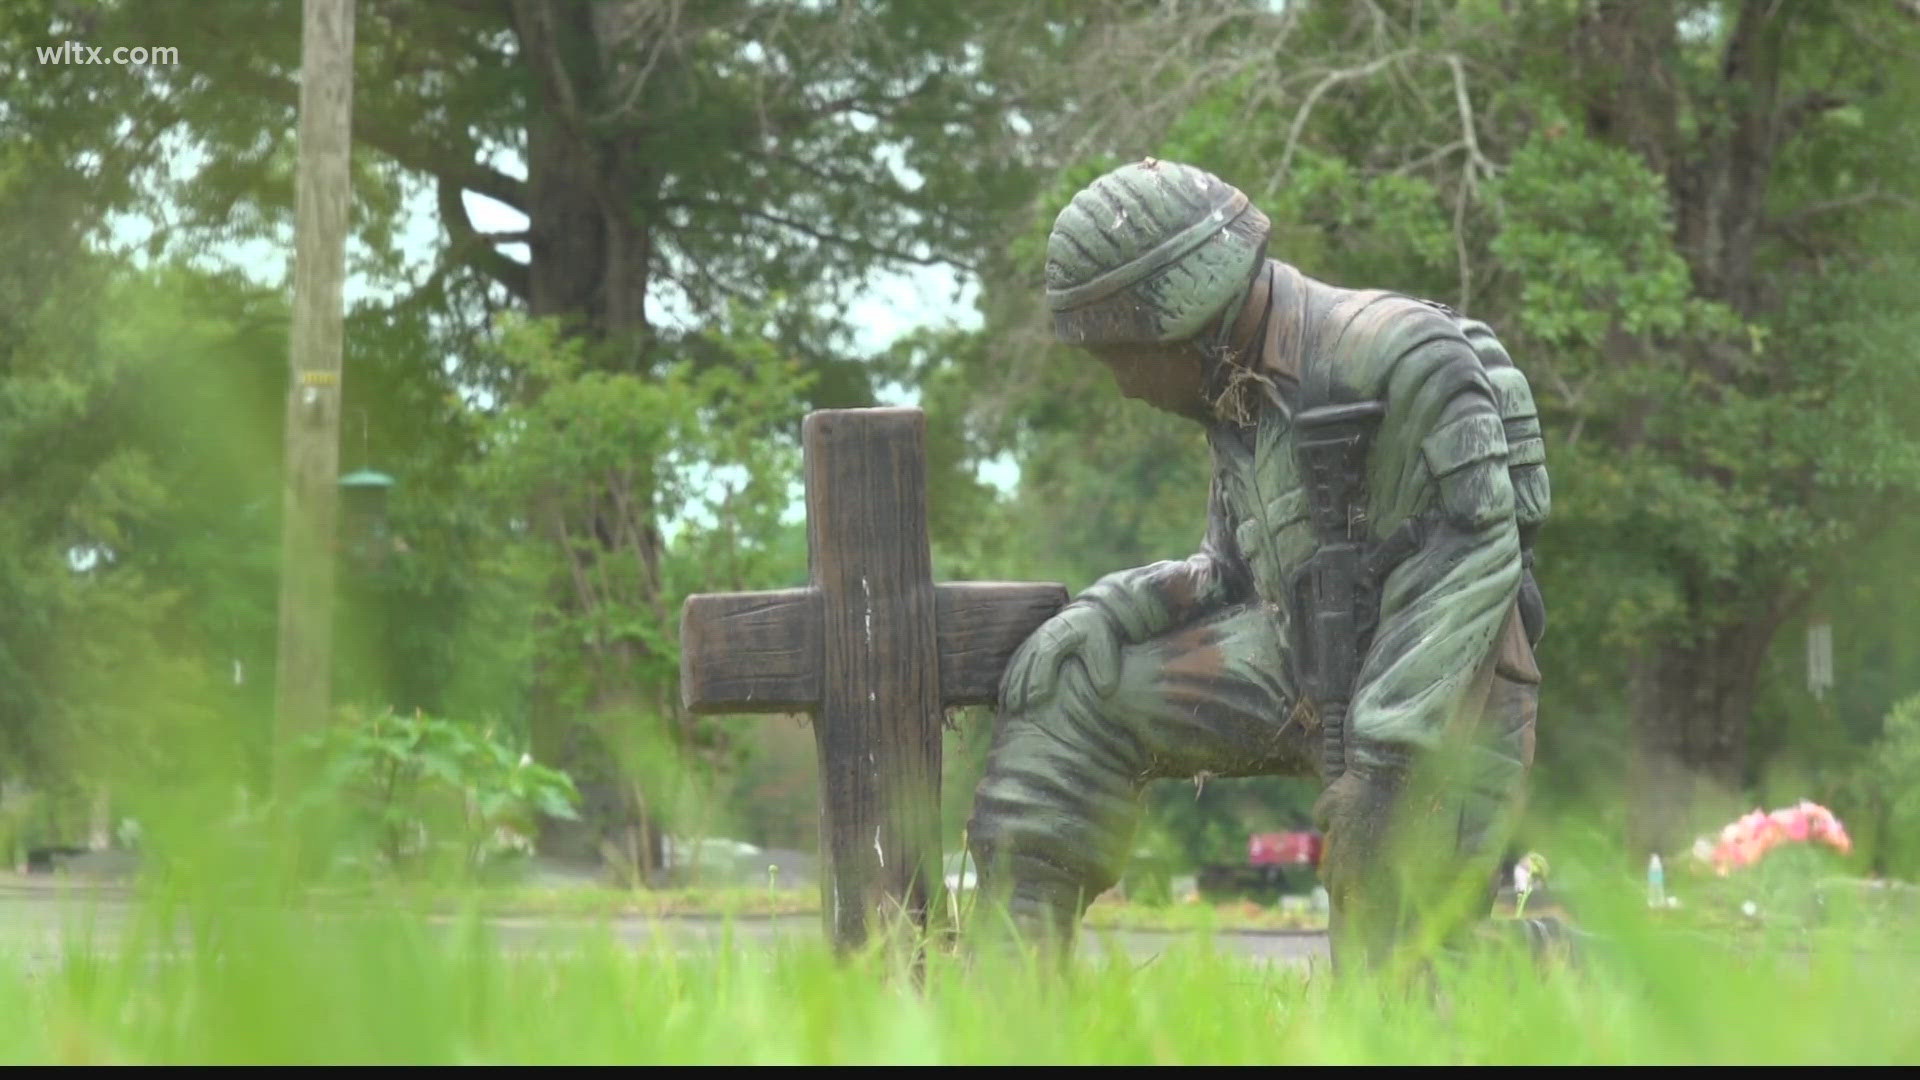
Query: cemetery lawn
pixel 260 984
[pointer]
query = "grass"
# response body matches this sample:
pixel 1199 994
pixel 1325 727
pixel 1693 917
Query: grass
pixel 212 962
pixel 268 984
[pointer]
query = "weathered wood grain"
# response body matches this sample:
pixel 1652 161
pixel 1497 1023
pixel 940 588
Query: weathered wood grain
pixel 874 650
pixel 879 723
pixel 323 199
pixel 750 652
pixel 981 624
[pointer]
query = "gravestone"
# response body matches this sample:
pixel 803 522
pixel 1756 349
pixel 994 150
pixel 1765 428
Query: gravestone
pixel 874 650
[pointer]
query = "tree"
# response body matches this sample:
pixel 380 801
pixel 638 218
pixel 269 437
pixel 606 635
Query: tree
pixel 1757 451
pixel 113 664
pixel 58 469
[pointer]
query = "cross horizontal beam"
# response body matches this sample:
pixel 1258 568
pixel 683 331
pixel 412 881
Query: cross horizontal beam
pixel 760 652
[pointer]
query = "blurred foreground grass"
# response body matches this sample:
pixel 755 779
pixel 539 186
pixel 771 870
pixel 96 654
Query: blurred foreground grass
pixel 228 949
pixel 188 978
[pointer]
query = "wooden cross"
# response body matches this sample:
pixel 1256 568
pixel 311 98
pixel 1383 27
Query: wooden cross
pixel 874 650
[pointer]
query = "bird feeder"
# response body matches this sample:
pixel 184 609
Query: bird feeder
pixel 363 497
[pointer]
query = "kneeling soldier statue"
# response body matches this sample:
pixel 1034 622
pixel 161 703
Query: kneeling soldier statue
pixel 1362 604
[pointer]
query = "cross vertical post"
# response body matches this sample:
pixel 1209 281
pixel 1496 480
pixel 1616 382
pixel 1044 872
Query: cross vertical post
pixel 880 721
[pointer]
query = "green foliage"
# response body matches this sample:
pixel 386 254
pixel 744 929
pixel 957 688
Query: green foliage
pixel 609 496
pixel 586 467
pixel 100 674
pixel 1591 225
pixel 1604 297
pixel 416 793
pixel 1892 780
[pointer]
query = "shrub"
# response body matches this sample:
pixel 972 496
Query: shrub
pixel 418 792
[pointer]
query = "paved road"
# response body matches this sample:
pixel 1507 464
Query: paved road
pixel 34 920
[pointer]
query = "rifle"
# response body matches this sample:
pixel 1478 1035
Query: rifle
pixel 1335 588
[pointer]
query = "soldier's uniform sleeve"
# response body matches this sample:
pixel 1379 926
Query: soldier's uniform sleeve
pixel 1526 463
pixel 1526 446
pixel 1441 458
pixel 1148 600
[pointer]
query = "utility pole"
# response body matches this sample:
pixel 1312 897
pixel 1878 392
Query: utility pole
pixel 303 687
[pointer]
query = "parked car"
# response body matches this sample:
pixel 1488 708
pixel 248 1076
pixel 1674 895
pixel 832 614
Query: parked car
pixel 710 860
pixel 1278 864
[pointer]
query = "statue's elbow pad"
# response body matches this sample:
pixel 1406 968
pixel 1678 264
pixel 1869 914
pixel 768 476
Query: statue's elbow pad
pixel 1467 461
pixel 1477 496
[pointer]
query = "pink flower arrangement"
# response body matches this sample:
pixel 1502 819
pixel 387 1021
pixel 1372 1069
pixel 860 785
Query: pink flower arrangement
pixel 1747 840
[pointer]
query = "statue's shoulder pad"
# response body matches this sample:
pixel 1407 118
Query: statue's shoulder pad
pixel 1371 334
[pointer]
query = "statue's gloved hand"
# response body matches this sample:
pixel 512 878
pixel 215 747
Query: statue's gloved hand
pixel 1080 631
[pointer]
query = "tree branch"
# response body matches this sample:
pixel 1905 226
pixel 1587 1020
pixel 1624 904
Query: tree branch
pixel 1414 164
pixel 476 249
pixel 849 243
pixel 457 165
pixel 712 280
pixel 664 20
pixel 443 164
pixel 1476 161
pixel 1300 116
pixel 1845 202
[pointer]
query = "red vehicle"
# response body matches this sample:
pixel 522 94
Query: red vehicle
pixel 1284 849
pixel 1278 864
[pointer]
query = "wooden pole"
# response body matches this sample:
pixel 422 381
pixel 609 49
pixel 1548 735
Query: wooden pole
pixel 303 689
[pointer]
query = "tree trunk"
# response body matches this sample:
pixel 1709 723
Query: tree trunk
pixel 587 184
pixel 591 245
pixel 1691 707
pixel 1692 700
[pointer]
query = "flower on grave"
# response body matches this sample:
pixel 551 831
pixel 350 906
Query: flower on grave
pixel 1536 865
pixel 1529 873
pixel 1747 840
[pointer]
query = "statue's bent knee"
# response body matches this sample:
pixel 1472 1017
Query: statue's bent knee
pixel 1054 815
